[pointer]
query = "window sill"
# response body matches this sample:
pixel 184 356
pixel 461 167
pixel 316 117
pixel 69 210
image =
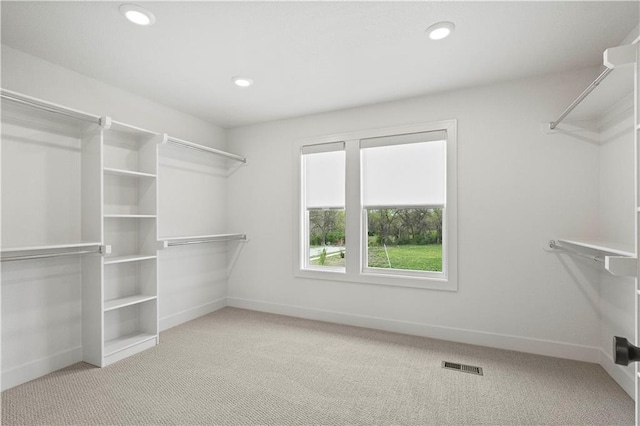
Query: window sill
pixel 425 283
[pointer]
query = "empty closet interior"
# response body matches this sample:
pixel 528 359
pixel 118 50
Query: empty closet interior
pixel 125 213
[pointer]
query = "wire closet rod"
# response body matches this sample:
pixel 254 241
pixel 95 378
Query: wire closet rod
pixel 580 98
pixel 44 256
pixel 187 241
pixel 554 246
pixel 195 146
pixel 45 106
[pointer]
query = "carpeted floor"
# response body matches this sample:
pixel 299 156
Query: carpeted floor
pixel 243 367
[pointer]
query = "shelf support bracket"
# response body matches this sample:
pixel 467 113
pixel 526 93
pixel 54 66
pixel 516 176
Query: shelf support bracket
pixel 616 57
pixel 105 249
pixel 621 266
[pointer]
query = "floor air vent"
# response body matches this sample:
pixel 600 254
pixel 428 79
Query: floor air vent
pixel 462 367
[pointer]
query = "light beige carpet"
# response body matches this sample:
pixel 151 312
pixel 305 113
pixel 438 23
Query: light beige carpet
pixel 242 367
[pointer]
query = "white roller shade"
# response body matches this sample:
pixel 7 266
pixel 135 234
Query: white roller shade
pixel 408 174
pixel 324 179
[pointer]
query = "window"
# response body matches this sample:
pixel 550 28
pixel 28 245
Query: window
pixel 379 207
pixel 324 200
pixel 403 201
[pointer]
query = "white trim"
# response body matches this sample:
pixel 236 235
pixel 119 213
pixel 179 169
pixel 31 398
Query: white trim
pixel 191 313
pixel 472 337
pixel 618 373
pixel 33 369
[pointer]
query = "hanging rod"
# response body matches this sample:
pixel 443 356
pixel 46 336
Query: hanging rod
pixel 580 98
pixel 44 256
pixel 554 246
pixel 183 241
pixel 191 145
pixel 46 106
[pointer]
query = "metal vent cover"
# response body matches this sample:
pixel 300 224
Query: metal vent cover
pixel 472 369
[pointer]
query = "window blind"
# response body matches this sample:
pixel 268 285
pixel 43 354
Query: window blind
pixel 404 174
pixel 324 176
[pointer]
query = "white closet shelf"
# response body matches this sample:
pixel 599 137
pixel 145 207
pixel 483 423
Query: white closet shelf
pixel 125 342
pixel 143 216
pixel 606 248
pixel 201 239
pixel 122 302
pixel 117 126
pixel 191 145
pixel 49 247
pixel 125 259
pixel 122 172
pixel 204 237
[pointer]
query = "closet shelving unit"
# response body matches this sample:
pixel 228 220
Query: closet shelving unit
pixel 111 184
pixel 610 108
pixel 610 94
pixel 129 302
pixel 31 229
pixel 211 238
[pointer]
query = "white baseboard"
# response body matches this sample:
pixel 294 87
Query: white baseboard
pixel 32 370
pixel 473 337
pixel 621 375
pixel 192 313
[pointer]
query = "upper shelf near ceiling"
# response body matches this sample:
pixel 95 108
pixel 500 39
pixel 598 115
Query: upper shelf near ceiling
pixel 615 91
pixel 608 97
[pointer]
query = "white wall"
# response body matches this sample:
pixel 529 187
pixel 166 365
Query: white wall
pixel 518 187
pixel 41 303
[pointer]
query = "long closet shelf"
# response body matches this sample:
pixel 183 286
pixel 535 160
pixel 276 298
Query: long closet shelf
pixel 125 259
pixel 191 145
pixel 201 239
pixel 604 247
pixel 204 237
pixel 49 247
pixel 142 216
pixel 122 172
pixel 122 302
pixel 125 342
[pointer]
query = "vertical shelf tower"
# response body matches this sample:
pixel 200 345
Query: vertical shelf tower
pixel 123 309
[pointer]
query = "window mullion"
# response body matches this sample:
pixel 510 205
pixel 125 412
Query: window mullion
pixel 353 224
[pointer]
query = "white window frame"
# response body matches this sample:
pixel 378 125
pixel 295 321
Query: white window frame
pixel 355 248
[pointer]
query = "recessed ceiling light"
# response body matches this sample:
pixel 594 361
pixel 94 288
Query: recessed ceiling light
pixel 137 14
pixel 440 30
pixel 241 81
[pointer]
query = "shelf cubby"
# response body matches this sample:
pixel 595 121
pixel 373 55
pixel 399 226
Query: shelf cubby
pixel 130 149
pixel 128 195
pixel 128 327
pixel 130 236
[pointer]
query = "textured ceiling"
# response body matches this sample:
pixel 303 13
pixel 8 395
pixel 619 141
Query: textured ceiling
pixel 309 57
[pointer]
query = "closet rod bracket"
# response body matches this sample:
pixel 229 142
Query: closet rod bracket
pixel 104 122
